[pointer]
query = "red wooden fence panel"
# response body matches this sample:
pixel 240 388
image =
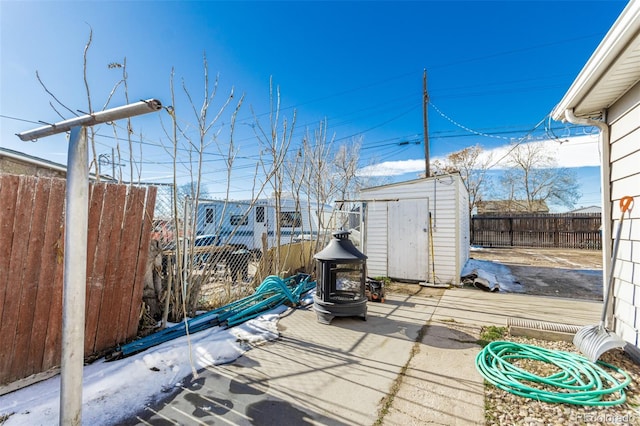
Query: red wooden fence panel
pixel 8 197
pixel 48 310
pixel 145 240
pixel 55 260
pixel 99 214
pixel 13 268
pixel 105 320
pixel 129 246
pixel 31 269
pixel 36 197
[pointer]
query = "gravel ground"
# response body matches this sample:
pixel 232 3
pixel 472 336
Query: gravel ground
pixel 504 408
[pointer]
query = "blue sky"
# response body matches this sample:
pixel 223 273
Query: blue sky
pixel 495 71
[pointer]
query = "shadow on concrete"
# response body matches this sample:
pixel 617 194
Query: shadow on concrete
pixel 213 398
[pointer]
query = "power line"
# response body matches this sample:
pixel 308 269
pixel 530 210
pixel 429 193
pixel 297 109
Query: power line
pixel 20 119
pixel 518 143
pixel 450 64
pixel 407 74
pixel 475 132
pixel 344 122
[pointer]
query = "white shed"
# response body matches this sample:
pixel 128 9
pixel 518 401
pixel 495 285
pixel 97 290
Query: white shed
pixel 397 222
pixel 606 94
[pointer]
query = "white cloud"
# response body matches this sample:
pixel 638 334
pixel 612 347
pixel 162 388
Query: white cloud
pixel 393 168
pixel 578 151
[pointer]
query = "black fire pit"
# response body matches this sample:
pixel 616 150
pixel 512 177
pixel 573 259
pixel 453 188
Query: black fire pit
pixel 342 272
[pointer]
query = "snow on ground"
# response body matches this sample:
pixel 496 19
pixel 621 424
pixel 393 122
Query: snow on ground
pixel 113 391
pixel 495 273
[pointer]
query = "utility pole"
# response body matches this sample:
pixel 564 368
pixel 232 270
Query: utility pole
pixel 425 120
pixel 113 164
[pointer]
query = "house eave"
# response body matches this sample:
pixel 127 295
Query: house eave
pixel 591 92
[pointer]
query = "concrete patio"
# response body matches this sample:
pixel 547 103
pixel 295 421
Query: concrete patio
pixel 410 363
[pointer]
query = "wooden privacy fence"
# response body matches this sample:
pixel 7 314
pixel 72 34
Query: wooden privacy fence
pixel 569 230
pixel 31 269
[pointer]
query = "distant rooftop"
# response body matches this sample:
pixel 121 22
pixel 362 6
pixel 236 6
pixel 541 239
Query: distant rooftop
pixel 26 158
pixel 589 209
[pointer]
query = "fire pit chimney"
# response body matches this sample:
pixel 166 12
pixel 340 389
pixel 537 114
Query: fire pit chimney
pixel 342 273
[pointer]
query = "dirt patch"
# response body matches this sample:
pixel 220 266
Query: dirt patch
pixel 412 289
pixel 550 272
pixel 544 257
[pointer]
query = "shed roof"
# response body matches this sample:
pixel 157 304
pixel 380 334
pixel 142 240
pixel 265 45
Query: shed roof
pixel 611 71
pixel 413 181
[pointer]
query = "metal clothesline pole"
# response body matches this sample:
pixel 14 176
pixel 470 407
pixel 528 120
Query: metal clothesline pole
pixel 75 246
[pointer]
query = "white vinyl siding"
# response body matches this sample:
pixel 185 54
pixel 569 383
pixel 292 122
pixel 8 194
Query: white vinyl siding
pixel 624 161
pixel 376 239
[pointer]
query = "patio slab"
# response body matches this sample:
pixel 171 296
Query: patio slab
pixel 410 363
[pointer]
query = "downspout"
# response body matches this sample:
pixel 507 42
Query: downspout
pixel 605 182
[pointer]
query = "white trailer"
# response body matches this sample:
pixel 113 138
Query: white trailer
pixel 417 231
pixel 244 223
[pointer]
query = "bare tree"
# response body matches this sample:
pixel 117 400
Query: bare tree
pixel 345 181
pixel 129 129
pixel 345 163
pixel 91 132
pixel 533 177
pixel 316 151
pixel 330 172
pixel 186 294
pixel 472 165
pixel 275 142
pixel 91 135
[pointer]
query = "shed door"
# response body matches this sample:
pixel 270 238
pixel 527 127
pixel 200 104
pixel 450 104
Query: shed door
pixel 408 239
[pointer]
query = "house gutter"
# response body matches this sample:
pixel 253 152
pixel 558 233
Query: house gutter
pixel 614 43
pixel 605 183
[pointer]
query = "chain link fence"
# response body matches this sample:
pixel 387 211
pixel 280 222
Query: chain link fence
pixel 211 252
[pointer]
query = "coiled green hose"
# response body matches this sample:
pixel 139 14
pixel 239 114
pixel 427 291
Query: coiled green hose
pixel 579 381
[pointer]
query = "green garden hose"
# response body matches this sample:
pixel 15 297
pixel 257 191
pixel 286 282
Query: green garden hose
pixel 577 381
